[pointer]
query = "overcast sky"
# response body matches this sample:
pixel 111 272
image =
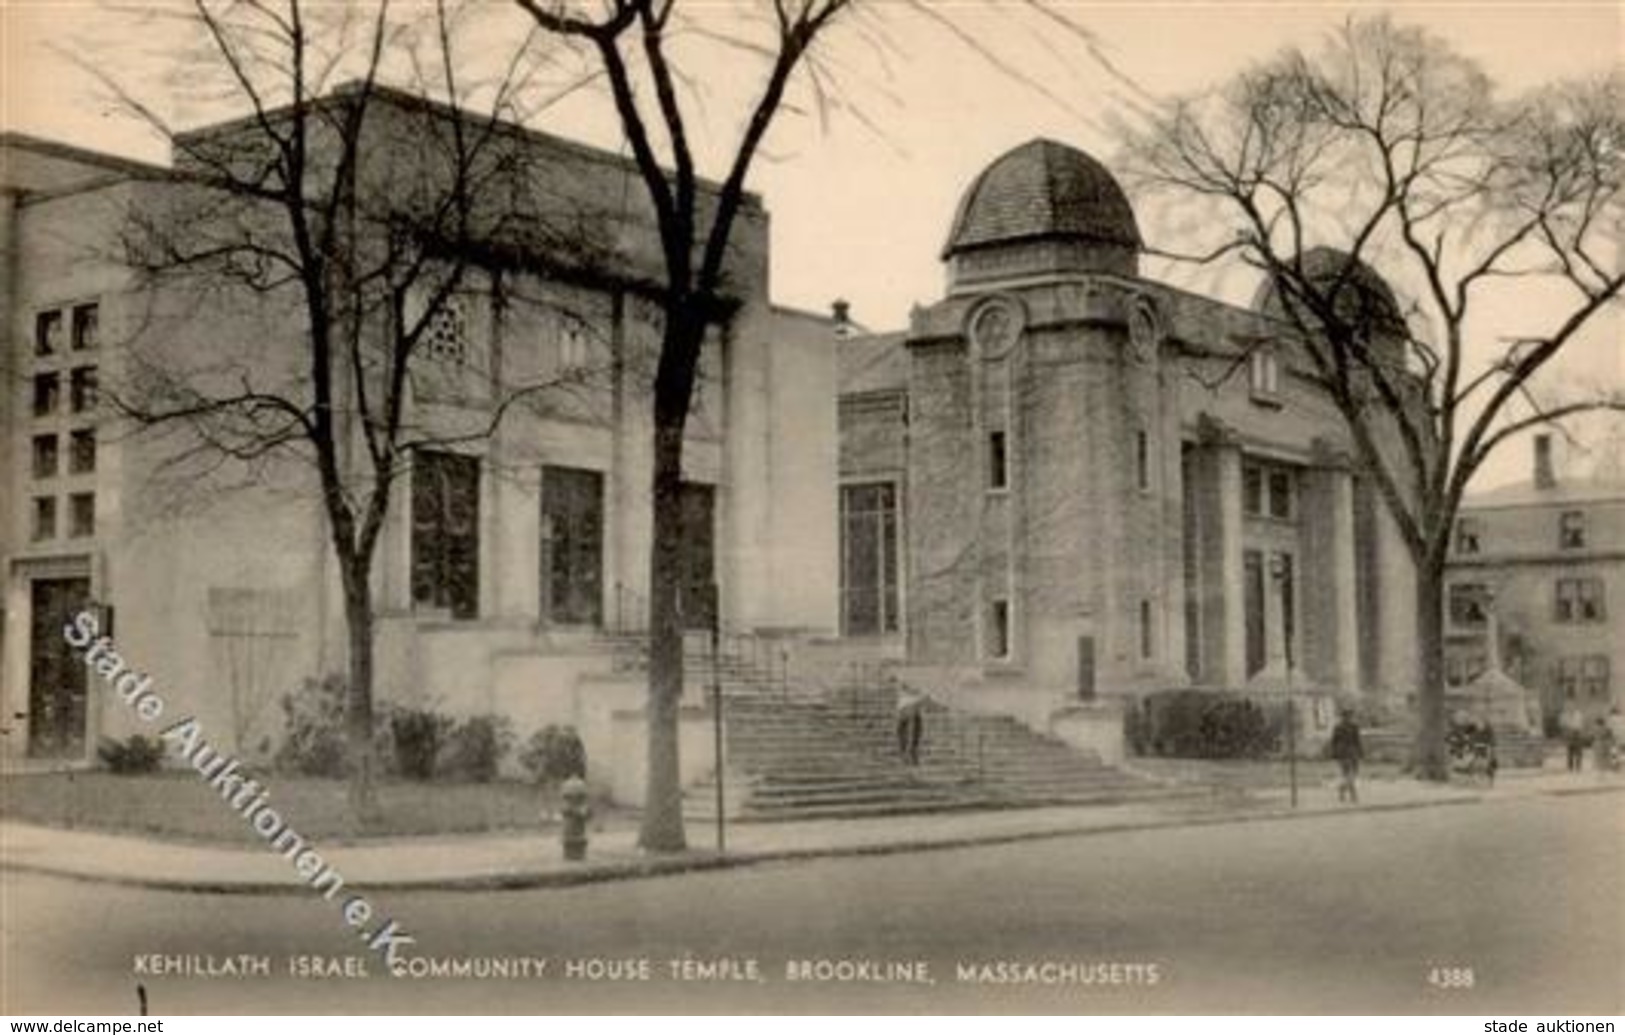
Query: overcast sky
pixel 861 203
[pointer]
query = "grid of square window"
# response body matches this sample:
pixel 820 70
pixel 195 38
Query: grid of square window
pixel 65 396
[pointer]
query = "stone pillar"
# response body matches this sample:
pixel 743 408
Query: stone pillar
pixel 1331 647
pixel 1223 610
pixel 1345 616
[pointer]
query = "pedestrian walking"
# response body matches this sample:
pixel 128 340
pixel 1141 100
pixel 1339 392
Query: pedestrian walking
pixel 1602 746
pixel 1614 727
pixel 910 724
pixel 1571 723
pixel 1346 748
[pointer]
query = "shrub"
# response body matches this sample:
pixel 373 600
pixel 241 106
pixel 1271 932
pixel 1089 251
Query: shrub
pixel 1203 724
pixel 554 754
pixel 138 754
pixel 416 736
pixel 313 742
pixel 1235 727
pixel 475 747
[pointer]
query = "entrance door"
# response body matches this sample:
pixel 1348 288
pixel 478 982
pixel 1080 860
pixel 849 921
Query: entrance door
pixel 699 554
pixel 56 675
pixel 572 546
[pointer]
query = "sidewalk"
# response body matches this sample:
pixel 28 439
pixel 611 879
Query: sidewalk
pixel 533 860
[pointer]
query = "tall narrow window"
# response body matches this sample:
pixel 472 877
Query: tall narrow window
pixel 82 389
pixel 1281 493
pixel 48 333
pixel 998 629
pixel 1571 530
pixel 1142 460
pixel 86 327
pixel 44 518
pixel 1252 490
pixel 869 562
pixel 82 515
pixel 998 461
pixel 1264 375
pixel 45 456
pixel 47 393
pixel 1469 534
pixel 1147 633
pixel 82 451
pixel 446 532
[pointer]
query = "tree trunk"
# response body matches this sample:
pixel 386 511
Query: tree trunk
pixel 1430 735
pixel 662 829
pixel 358 711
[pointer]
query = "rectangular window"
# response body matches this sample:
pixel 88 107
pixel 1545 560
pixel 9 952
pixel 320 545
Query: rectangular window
pixel 1268 490
pixel 1594 677
pixel 82 389
pixel 1281 494
pixel 1571 530
pixel 82 451
pixel 86 327
pixel 1142 460
pixel 446 532
pixel 82 515
pixel 869 563
pixel 48 333
pixel 44 518
pixel 1468 535
pixel 47 393
pixel 1264 374
pixel 1465 602
pixel 45 456
pixel 1580 600
pixel 1568 678
pixel 1252 490
pixel 1147 632
pixel 998 461
pixel 998 629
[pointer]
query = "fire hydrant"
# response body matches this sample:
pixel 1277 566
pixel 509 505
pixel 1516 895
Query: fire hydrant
pixel 575 813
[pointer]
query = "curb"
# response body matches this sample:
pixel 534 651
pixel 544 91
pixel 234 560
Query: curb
pixel 698 861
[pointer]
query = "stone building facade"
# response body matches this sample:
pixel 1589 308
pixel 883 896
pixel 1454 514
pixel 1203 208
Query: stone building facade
pixel 504 560
pixel 1065 482
pixel 1540 565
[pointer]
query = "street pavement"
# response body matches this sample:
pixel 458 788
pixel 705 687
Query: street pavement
pixel 1370 911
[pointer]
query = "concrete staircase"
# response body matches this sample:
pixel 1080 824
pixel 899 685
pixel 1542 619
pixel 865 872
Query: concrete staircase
pixel 795 750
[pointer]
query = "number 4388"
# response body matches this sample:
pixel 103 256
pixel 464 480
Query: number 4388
pixel 1450 977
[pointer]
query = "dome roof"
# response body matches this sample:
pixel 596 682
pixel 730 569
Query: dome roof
pixel 1043 189
pixel 1364 295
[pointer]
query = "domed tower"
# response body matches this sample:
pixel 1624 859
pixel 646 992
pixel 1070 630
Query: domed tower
pixel 1359 296
pixel 1042 208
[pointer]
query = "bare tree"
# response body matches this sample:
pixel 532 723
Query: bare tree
pixel 1392 149
pixel 631 43
pixel 360 217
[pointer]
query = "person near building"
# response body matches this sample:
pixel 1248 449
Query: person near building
pixel 1602 746
pixel 1571 723
pixel 1614 724
pixel 1346 749
pixel 910 724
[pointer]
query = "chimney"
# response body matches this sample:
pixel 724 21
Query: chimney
pixel 1545 476
pixel 841 309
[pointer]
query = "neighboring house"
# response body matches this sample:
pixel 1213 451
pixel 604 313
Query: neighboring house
pixel 504 560
pixel 1546 557
pixel 1064 481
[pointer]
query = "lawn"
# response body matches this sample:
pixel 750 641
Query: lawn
pixel 180 805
